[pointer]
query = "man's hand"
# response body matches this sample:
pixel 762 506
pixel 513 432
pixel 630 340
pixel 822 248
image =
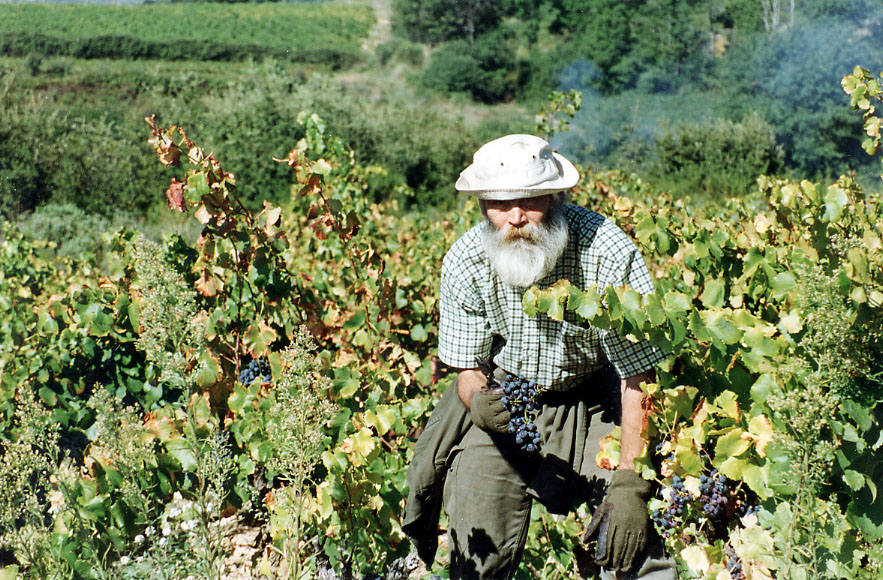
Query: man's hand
pixel 488 412
pixel 485 404
pixel 621 523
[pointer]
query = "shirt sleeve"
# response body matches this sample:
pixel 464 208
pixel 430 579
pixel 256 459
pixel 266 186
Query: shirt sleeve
pixel 627 357
pixel 463 331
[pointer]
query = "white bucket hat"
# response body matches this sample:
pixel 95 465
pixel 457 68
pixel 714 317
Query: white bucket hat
pixel 516 167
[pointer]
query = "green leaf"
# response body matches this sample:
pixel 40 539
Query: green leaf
pixel 349 388
pixel 356 320
pixel 698 328
pixel 586 304
pixel 762 388
pixel 382 418
pixel 835 201
pixel 94 508
pixel 853 479
pixel 728 403
pixel 530 301
pixel 676 303
pixel 757 478
pixel 418 333
pixel 783 283
pixel 208 372
pixel 713 294
pixel 688 458
pixel 655 311
pixel 732 444
pixel 720 326
pixel 732 467
pixel 680 401
pixel 197 186
pixel 180 449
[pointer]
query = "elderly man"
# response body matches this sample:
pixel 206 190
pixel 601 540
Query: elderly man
pixel 466 455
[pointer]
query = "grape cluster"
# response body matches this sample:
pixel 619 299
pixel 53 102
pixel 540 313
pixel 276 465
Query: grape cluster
pixel 673 514
pixel 519 398
pixel 256 368
pixel 714 494
pixel 734 564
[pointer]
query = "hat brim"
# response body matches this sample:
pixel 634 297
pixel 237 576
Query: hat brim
pixel 569 177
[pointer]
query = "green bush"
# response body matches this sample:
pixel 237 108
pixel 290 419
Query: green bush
pixel 715 158
pixel 399 50
pixel 97 165
pixel 488 69
pixel 75 233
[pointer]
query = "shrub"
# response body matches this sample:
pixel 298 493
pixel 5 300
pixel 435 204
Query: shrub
pixel 399 50
pixel 716 158
pixel 488 70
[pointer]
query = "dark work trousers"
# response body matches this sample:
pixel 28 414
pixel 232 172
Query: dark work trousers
pixel 490 486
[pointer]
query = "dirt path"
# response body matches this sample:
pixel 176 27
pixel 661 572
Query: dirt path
pixel 382 30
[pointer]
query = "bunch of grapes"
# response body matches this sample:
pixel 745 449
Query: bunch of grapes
pixel 714 494
pixel 673 514
pixel 256 368
pixel 719 500
pixel 519 398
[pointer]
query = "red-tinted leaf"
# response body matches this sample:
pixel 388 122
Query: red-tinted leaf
pixel 175 196
pixel 208 285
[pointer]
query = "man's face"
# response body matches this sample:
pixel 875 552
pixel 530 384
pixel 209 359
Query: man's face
pixel 524 238
pixel 510 215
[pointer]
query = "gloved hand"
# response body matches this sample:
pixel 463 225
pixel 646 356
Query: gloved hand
pixel 621 522
pixel 488 412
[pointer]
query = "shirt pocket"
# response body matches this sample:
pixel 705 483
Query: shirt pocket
pixel 580 348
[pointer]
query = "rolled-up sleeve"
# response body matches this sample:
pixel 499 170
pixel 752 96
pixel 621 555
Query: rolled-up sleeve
pixel 464 331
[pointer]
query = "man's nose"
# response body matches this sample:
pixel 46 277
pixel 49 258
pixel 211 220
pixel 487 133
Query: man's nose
pixel 517 216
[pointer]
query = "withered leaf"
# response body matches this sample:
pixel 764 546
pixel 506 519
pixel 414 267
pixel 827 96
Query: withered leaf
pixel 175 196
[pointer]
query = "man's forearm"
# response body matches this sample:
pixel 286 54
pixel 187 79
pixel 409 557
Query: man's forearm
pixel 632 443
pixel 468 382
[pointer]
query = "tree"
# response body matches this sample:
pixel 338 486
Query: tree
pixel 435 21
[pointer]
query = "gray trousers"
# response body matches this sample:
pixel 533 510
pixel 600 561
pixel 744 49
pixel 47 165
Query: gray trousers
pixel 491 484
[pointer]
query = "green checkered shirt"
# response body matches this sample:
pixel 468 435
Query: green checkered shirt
pixel 482 316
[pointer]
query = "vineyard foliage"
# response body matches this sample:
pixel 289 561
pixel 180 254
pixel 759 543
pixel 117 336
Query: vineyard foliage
pixel 128 433
pixel 318 33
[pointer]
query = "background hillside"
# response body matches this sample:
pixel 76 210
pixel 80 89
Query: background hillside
pixel 700 97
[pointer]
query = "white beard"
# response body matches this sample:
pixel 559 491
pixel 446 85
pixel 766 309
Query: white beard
pixel 522 256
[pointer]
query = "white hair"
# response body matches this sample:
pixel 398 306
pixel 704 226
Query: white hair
pixel 522 256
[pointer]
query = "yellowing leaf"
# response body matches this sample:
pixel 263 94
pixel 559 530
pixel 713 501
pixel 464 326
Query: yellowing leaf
pixel 696 559
pixel 728 405
pixel 326 505
pixel 761 432
pixel 203 215
pixel 761 224
pixel 382 418
pixel 359 446
pixel 691 484
pixel 608 455
pixel 322 167
pixel 791 322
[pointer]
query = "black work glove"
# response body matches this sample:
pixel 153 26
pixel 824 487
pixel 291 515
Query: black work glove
pixel 488 412
pixel 621 523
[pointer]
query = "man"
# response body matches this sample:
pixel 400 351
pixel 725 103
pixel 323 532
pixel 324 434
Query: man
pixel 530 237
